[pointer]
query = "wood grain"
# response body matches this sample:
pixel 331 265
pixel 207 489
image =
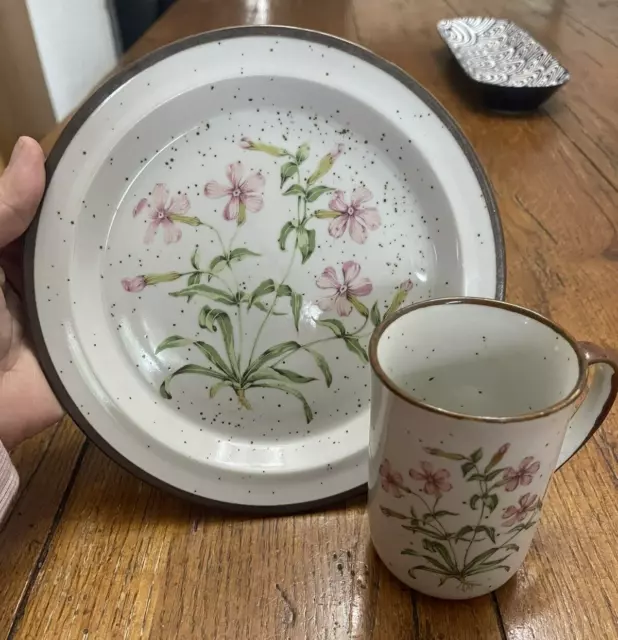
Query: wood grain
pixel 46 465
pixel 122 560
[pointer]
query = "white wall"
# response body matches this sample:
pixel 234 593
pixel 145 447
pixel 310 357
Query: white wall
pixel 76 45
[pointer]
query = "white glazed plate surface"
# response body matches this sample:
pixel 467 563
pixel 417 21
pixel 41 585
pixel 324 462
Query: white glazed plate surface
pixel 224 225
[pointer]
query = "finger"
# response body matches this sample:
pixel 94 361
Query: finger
pixel 21 189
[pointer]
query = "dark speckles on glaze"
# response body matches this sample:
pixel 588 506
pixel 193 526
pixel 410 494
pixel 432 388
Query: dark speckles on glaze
pixel 188 151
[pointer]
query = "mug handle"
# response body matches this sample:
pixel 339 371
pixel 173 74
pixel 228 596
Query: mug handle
pixel 597 403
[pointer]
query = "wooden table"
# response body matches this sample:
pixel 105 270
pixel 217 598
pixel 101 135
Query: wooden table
pixel 91 552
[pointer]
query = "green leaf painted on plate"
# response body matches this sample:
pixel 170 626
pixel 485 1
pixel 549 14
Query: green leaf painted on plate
pixel 315 192
pixel 287 389
pixel 287 171
pixel 294 377
pixel 192 221
pixel 295 190
pixel 336 326
pixel 325 214
pixel 215 388
pixel 237 255
pixel 356 348
pixel 284 290
pixel 273 353
pixel 296 302
pixel 305 239
pixel 359 306
pixel 207 317
pixel 375 315
pixel 262 307
pixel 194 278
pixel 265 288
pixel 195 258
pixel 206 291
pixel 173 342
pixel 212 355
pixel 322 363
pixel 164 389
pixel 302 153
pixel 242 214
pixel 287 228
pixel 277 373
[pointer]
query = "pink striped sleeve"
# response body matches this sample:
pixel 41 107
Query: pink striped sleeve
pixel 9 481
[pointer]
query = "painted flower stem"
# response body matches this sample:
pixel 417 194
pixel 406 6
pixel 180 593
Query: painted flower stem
pixel 480 519
pixel 272 307
pixel 439 543
pixel 221 311
pixel 438 526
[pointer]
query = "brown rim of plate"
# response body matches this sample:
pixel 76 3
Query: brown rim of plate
pixel 487 302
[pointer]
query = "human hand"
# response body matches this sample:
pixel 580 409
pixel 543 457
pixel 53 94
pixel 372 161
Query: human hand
pixel 27 404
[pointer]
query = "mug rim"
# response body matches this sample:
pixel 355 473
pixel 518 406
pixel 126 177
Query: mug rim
pixel 388 382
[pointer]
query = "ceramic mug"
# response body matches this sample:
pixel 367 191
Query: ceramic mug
pixel 474 404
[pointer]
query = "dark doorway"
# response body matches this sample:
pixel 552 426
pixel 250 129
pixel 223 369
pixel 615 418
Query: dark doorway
pixel 135 16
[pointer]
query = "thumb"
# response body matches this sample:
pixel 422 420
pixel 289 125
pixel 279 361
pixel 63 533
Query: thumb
pixel 21 189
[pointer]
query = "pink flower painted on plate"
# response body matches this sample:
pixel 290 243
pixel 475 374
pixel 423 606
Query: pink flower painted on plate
pixel 522 475
pixel 344 291
pixel 134 285
pixel 355 216
pixel 406 286
pixel 245 194
pixel 163 206
pixel 514 514
pixel 392 481
pixel 436 482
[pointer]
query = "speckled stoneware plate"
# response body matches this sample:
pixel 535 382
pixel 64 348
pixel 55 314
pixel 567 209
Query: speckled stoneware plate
pixel 225 222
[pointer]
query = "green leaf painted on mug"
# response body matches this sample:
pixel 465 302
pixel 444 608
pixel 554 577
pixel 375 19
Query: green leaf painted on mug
pixel 491 501
pixel 443 454
pixel 466 467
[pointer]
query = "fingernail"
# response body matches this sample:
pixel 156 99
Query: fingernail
pixel 17 151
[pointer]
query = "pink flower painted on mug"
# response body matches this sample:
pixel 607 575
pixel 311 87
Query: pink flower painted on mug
pixel 358 219
pixel 163 206
pixel 514 514
pixel 352 286
pixel 512 478
pixel 392 481
pixel 245 194
pixel 436 482
pixel 134 285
